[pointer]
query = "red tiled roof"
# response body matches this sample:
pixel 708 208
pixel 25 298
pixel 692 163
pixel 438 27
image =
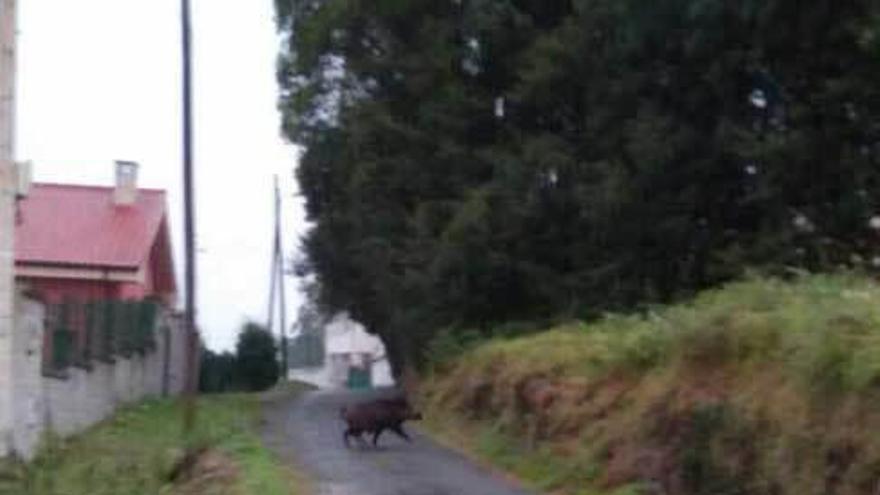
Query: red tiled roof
pixel 80 225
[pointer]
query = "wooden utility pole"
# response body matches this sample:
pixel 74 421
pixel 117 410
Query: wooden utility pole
pixel 281 273
pixel 273 283
pixel 7 227
pixel 192 338
pixel 277 281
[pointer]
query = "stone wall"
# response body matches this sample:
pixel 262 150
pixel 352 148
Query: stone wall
pixel 81 397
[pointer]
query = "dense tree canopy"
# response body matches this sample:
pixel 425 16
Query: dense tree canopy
pixel 472 162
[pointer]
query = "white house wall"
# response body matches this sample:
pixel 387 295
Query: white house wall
pixel 347 344
pixel 381 374
pixel 345 336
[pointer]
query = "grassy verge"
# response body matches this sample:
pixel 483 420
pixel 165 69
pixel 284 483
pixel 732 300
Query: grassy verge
pixel 134 452
pixel 761 387
pixel 540 469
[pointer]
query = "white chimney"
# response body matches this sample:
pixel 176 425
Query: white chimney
pixel 23 178
pixel 125 192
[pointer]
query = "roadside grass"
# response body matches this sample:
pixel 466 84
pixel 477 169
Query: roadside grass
pixel 541 469
pixel 762 386
pixel 134 452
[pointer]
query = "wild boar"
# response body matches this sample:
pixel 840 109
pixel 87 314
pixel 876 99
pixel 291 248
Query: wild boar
pixel 377 416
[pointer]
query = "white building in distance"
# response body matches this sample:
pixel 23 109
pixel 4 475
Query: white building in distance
pixel 353 358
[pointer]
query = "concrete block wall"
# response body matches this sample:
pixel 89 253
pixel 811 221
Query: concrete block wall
pixel 83 397
pixel 27 378
pixel 176 352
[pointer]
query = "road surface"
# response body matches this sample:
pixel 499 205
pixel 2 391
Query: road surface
pixel 307 430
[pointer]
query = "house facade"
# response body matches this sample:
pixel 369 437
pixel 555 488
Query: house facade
pixel 88 243
pixel 99 259
pixel 94 291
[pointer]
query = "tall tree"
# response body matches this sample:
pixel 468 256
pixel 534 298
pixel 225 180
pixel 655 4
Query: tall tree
pixel 473 162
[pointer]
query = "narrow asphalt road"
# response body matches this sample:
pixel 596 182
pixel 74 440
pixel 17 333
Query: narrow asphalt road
pixel 307 430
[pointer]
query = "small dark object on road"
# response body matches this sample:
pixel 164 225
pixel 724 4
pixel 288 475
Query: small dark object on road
pixel 377 416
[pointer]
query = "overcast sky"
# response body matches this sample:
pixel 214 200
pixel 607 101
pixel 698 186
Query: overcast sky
pixel 99 81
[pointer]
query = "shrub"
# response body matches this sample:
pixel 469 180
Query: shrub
pixel 449 344
pixel 218 372
pixel 256 360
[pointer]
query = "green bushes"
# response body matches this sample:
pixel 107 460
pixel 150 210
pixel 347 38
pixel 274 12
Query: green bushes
pixel 449 344
pixel 217 372
pixel 762 386
pixel 253 367
pixel 825 330
pixel 256 358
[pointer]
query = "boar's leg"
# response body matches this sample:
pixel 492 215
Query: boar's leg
pixel 376 436
pixel 361 441
pixel 398 429
pixel 352 432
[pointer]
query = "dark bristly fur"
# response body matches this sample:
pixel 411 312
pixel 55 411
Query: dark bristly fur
pixel 377 416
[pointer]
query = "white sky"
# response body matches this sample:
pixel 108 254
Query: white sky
pixel 99 81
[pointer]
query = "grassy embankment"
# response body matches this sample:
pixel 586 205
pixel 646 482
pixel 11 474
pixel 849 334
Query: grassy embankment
pixel 134 452
pixel 762 387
